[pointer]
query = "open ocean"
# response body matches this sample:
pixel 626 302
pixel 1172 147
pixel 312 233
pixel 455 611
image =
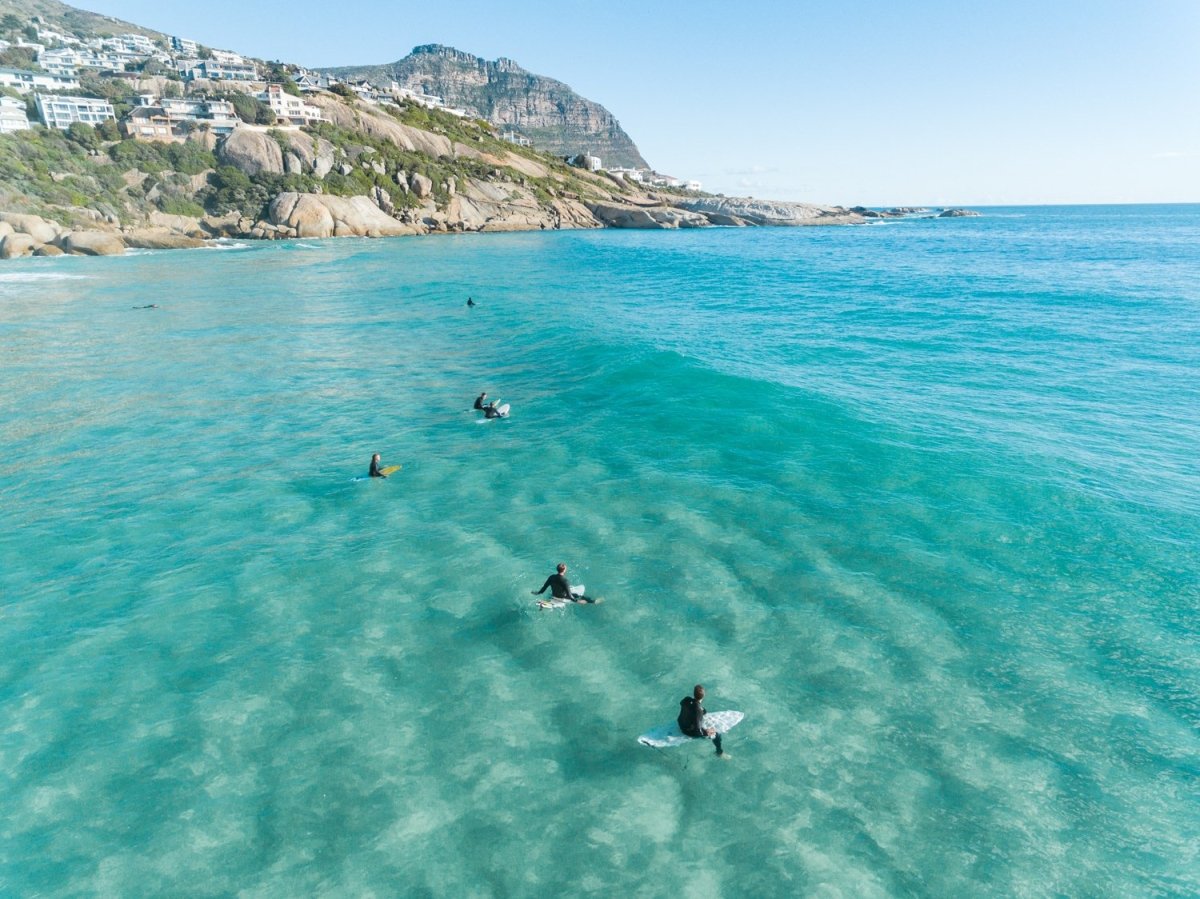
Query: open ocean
pixel 922 499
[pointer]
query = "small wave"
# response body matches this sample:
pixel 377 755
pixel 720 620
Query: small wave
pixel 225 245
pixel 24 277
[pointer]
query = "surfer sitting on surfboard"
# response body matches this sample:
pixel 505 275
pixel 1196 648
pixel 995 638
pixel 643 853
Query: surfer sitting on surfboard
pixel 375 472
pixel 490 410
pixel 560 587
pixel 691 718
pixel 479 402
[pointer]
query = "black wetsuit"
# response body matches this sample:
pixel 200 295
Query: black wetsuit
pixel 479 401
pixel 691 720
pixel 375 472
pixel 490 411
pixel 560 587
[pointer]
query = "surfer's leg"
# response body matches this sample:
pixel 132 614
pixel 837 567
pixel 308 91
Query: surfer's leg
pixel 717 742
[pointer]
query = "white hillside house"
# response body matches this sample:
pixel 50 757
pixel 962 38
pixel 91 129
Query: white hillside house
pixel 62 112
pixel 12 115
pixel 290 108
pixel 25 81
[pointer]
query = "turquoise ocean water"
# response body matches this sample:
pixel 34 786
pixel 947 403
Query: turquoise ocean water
pixel 922 499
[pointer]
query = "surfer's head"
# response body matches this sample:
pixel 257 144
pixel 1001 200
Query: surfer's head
pixel 375 458
pixel 562 569
pixel 698 691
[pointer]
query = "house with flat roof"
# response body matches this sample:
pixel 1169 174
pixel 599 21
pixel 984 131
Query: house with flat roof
pixel 228 57
pixel 627 173
pixel 211 70
pixel 62 112
pixel 25 81
pixel 172 119
pixel 49 36
pixel 133 44
pixel 68 59
pixel 291 108
pixel 12 115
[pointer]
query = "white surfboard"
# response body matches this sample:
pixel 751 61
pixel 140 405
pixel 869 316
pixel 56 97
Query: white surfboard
pixel 503 410
pixel 552 603
pixel 667 735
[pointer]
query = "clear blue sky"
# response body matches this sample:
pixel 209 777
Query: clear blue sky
pixel 876 102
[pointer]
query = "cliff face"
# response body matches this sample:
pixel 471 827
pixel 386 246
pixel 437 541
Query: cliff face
pixel 548 112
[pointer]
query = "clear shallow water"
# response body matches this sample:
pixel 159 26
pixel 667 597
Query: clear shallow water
pixel 921 499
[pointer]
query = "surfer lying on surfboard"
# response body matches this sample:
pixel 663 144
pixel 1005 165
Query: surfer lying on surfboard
pixel 560 587
pixel 691 718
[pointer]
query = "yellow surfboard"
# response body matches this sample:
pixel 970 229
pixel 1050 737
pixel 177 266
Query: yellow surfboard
pixel 390 469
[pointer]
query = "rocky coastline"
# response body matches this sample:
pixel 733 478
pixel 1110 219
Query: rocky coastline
pixel 474 207
pixel 405 180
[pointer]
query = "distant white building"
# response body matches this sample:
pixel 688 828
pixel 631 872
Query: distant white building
pixel 289 107
pixel 212 70
pixel 47 36
pixel 12 115
pixel 627 173
pixel 693 185
pixel 228 57
pixel 134 44
pixel 184 46
pixel 585 161
pixel 66 60
pixel 26 81
pixel 62 112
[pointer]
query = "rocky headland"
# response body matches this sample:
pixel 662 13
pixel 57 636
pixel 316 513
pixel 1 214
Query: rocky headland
pixel 548 112
pixel 392 178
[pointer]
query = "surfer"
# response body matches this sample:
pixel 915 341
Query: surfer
pixel 375 472
pixel 560 587
pixel 479 401
pixel 691 718
pixel 470 303
pixel 490 411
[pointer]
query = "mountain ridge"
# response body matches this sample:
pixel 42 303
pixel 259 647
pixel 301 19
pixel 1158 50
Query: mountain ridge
pixel 547 111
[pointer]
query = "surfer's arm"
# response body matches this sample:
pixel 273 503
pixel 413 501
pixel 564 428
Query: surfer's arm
pixel 543 590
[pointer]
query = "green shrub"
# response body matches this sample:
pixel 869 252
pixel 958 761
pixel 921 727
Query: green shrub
pixel 190 158
pixel 84 135
pixel 180 206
